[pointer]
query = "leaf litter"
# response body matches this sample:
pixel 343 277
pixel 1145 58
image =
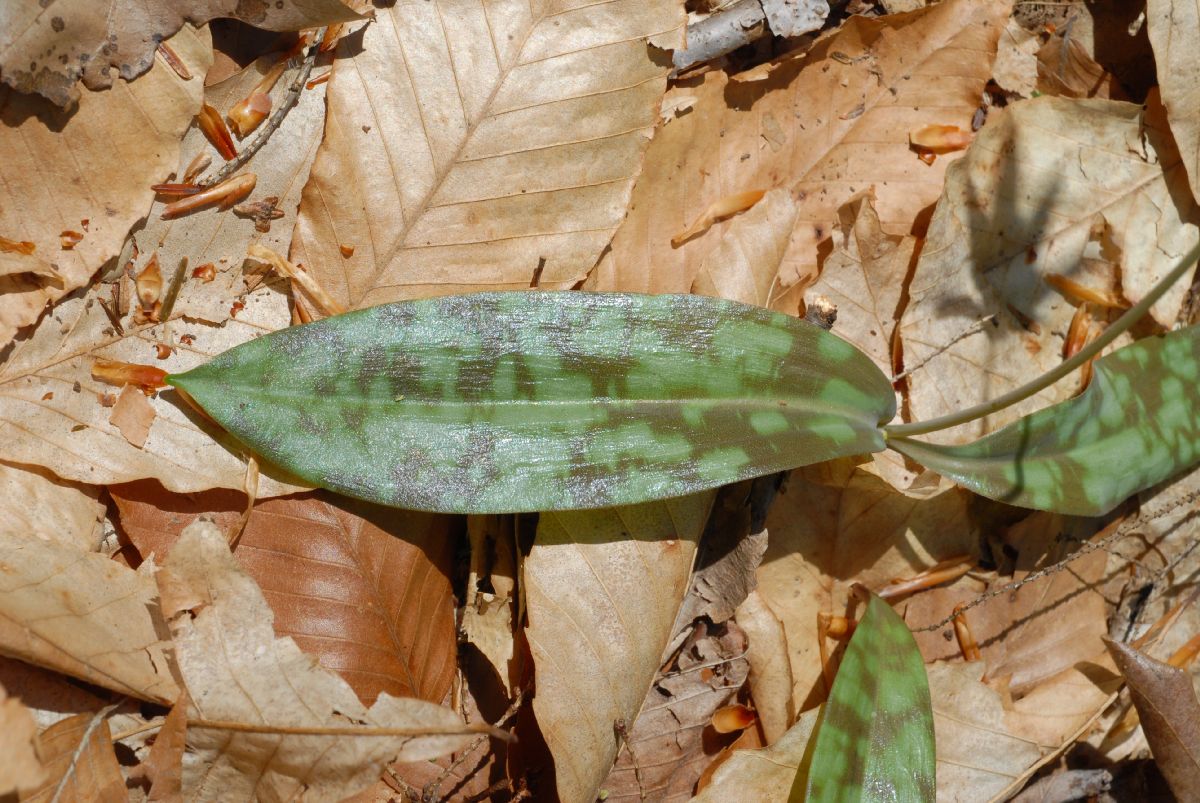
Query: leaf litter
pixel 976 188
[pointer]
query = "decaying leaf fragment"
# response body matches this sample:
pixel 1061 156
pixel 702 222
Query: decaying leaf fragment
pixel 237 671
pixel 21 770
pixel 80 761
pixel 84 615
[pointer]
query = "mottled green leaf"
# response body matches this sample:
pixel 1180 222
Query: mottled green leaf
pixel 874 741
pixel 544 401
pixel 1137 424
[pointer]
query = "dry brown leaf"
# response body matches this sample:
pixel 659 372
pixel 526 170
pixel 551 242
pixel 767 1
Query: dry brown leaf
pixel 237 671
pixel 69 432
pixel 1037 631
pixel 465 147
pixel 45 507
pixel 1174 30
pixel 745 264
pixel 80 762
pixel 163 767
pixel 1016 67
pixel 47 50
pixel 1084 188
pixel 824 128
pixel 133 415
pixel 1170 715
pixel 20 770
pixel 602 588
pixel 665 751
pixel 770 671
pixel 84 615
pixel 835 524
pixel 221 237
pixel 365 589
pixel 763 775
pixel 95 164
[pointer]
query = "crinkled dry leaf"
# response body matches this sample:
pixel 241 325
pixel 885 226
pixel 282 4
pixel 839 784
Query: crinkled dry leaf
pixel 49 508
pixel 237 671
pixel 46 50
pixel 1170 715
pixel 451 172
pixel 221 238
pixel 1089 189
pixel 95 164
pixel 1174 30
pixel 770 671
pixel 602 588
pixel 21 770
pixel 80 762
pixel 836 524
pixel 84 615
pixel 363 588
pixel 824 128
pixel 744 265
pixel 70 433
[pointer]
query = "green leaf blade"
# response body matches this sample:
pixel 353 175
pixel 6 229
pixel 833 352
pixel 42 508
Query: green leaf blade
pixel 499 402
pixel 1137 424
pixel 875 737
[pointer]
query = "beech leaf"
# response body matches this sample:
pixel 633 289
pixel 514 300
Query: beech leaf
pixel 544 401
pixel 1136 424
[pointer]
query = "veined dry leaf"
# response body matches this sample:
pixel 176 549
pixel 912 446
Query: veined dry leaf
pixel 236 670
pixel 745 264
pixel 43 506
pixel 221 237
pixel 96 163
pixel 80 762
pixel 47 50
pixel 1036 632
pixel 848 525
pixel 84 615
pixel 21 770
pixel 363 588
pixel 1170 714
pixel 824 128
pixel 1172 26
pixel 1085 188
pixel 602 588
pixel 70 433
pixel 467 146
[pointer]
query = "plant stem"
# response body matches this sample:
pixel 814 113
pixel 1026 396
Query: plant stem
pixel 1122 324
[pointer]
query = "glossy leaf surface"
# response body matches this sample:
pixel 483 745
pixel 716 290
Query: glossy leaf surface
pixel 500 402
pixel 874 740
pixel 1137 424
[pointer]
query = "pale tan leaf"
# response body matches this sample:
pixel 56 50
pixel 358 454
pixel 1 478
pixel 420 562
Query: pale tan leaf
pixel 47 50
pixel 365 589
pixel 221 237
pixel 81 763
pixel 237 671
pixel 1089 189
pixel 94 165
pixel 21 770
pixel 744 265
pixel 69 432
pixel 84 615
pixel 835 524
pixel 467 143
pixel 824 128
pixel 43 506
pixel 1174 30
pixel 1016 59
pixel 770 671
pixel 602 589
pixel 763 775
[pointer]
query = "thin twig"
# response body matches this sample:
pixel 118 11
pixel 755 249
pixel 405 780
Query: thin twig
pixel 285 105
pixel 431 789
pixel 975 328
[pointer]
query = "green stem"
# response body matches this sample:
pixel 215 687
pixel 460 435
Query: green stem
pixel 1131 316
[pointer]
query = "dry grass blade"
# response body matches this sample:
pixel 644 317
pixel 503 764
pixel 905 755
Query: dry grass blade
pixel 463 144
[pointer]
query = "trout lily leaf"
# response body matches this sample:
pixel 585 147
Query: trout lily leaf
pixel 501 402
